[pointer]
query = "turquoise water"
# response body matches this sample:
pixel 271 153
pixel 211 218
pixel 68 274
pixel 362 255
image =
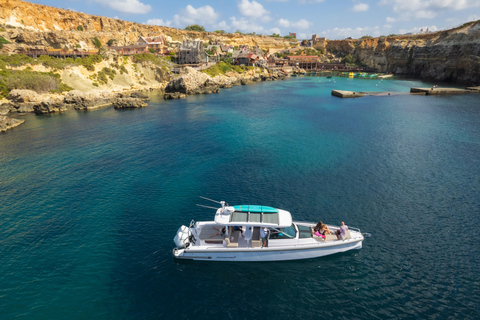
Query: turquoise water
pixel 90 203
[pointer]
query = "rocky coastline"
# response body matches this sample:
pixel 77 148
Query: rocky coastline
pixel 189 82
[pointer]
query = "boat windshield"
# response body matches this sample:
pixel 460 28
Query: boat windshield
pixel 283 233
pixel 305 232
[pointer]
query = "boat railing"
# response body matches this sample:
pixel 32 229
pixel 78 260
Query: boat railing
pixel 354 229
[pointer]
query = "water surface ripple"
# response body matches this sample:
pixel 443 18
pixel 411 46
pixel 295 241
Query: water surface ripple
pixel 90 202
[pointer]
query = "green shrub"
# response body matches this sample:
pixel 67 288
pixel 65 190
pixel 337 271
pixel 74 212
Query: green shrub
pixel 40 82
pixel 349 59
pixel 56 63
pixel 144 57
pixel 80 28
pixel 123 70
pixel 151 50
pixel 95 84
pixel 89 62
pixel 195 27
pixel 3 40
pixel 96 43
pixel 222 68
pixel 103 75
pixel 16 60
pixel 78 45
pixel 111 42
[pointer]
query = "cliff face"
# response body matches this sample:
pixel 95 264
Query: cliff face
pixel 39 26
pixel 451 55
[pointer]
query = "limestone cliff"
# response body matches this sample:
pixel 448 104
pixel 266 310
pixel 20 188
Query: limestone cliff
pixel 40 26
pixel 451 55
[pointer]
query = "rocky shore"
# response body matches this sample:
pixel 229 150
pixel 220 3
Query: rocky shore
pixel 189 82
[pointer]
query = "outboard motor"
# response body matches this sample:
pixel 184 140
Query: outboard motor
pixel 181 239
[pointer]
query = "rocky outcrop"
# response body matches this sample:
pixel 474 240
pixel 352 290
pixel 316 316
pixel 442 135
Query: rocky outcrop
pixel 22 96
pixel 174 95
pixel 129 103
pixel 6 107
pixel 89 100
pixel 50 106
pixel 192 82
pixel 9 123
pixel 23 101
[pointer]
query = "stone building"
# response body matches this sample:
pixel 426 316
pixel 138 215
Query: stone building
pixel 191 52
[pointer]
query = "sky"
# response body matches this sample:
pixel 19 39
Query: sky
pixel 333 19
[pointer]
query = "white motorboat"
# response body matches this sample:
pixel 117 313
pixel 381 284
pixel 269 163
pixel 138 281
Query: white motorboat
pixel 235 235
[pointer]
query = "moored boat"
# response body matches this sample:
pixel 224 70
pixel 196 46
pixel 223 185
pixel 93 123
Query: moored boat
pixel 236 235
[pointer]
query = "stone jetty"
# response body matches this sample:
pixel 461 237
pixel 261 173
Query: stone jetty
pixel 347 94
pixel 420 91
pixel 437 91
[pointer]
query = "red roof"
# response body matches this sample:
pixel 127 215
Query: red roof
pixel 302 57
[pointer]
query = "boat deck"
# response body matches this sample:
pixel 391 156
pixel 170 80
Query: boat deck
pixel 250 239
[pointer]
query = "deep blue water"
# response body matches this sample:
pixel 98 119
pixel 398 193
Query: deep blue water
pixel 90 203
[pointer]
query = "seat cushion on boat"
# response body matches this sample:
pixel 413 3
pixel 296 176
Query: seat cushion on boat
pixel 208 231
pixel 233 240
pixel 328 237
pixel 331 237
pixel 347 235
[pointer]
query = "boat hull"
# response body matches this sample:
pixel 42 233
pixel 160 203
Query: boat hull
pixel 267 253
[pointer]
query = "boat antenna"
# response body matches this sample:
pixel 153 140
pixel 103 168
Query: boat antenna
pixel 210 200
pixel 206 206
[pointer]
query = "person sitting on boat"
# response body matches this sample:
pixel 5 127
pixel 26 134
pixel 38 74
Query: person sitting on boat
pixel 220 232
pixel 237 228
pixel 317 227
pixel 342 231
pixel 264 235
pixel 320 230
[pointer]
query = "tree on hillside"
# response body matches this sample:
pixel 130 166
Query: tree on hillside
pixel 195 27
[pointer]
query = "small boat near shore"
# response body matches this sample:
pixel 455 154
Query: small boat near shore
pixel 235 235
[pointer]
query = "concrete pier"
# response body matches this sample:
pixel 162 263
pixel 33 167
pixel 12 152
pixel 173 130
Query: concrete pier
pixel 347 94
pixel 474 89
pixel 436 91
pixel 419 91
